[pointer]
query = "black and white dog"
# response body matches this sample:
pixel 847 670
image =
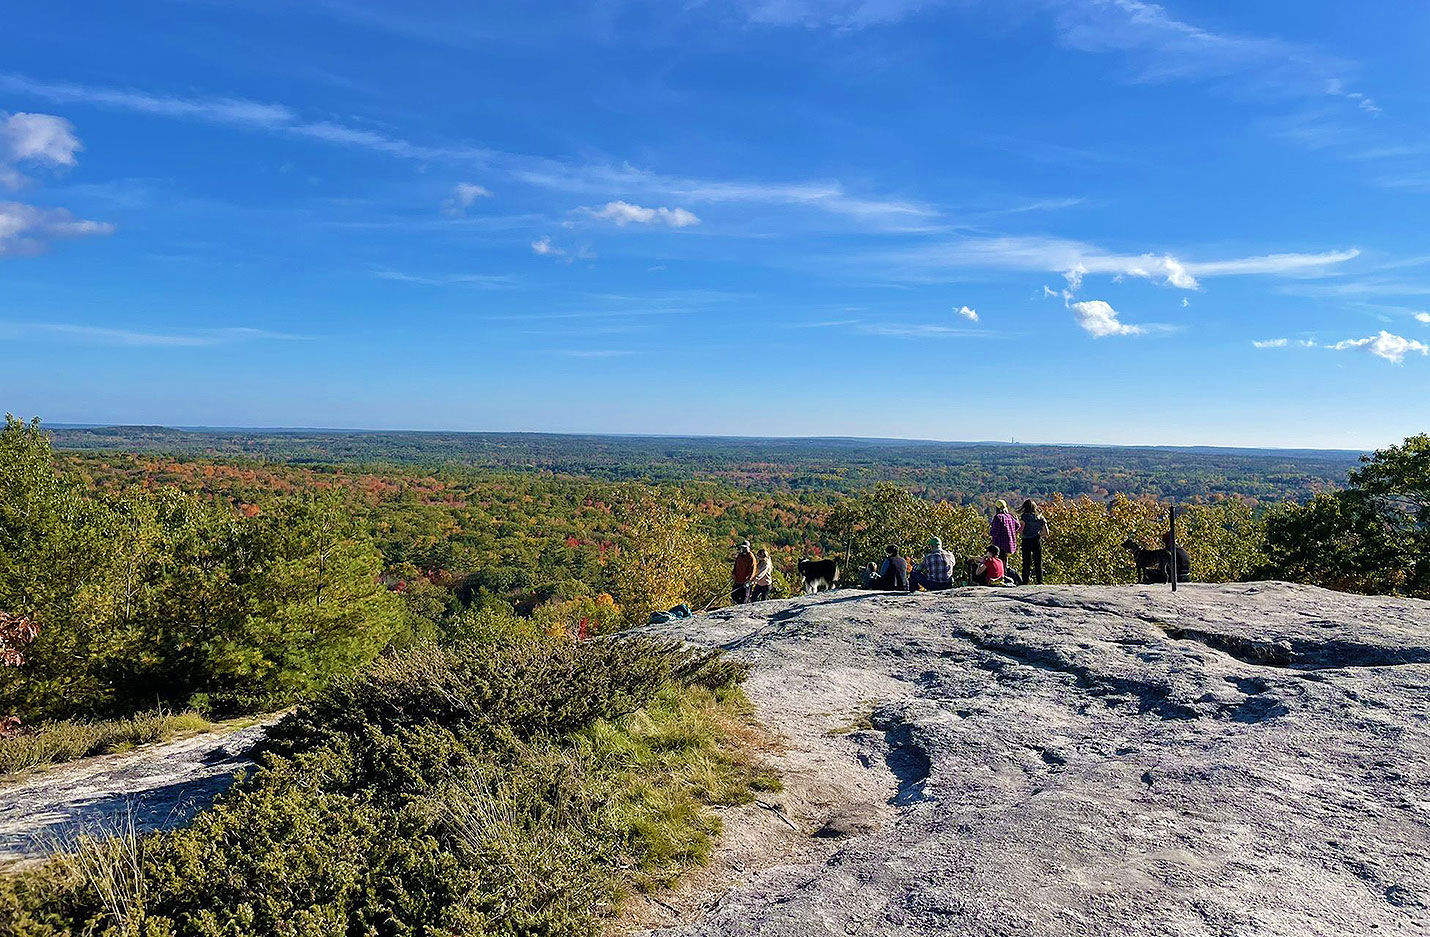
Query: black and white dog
pixel 817 575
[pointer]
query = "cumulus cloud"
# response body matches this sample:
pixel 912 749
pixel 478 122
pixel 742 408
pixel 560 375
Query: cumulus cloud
pixel 1100 320
pixel 28 229
pixel 545 248
pixel 624 213
pixel 1271 343
pixel 1423 318
pixel 968 313
pixel 34 140
pixel 1392 348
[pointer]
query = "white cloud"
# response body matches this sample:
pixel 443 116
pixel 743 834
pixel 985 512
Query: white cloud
pixel 915 330
pixel 34 139
pixel 1392 348
pixel 486 280
pixel 544 247
pixel 1186 302
pixel 968 313
pixel 829 197
pixel 1076 259
pixel 624 213
pixel 1100 320
pixel 28 229
pixel 127 337
pixel 1423 318
pixel 236 112
pixel 1271 343
pixel 464 194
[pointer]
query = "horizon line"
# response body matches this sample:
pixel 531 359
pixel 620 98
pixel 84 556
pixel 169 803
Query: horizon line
pixel 202 428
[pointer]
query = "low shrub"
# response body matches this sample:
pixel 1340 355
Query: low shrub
pixel 499 788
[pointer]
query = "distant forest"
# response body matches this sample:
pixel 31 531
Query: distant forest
pixel 964 473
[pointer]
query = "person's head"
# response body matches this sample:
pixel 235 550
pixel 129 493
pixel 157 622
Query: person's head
pixel 892 550
pixel 1001 506
pixel 763 554
pixel 1029 507
pixel 1167 539
pixel 992 550
pixel 935 544
pixel 745 547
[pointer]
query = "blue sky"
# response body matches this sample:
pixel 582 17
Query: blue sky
pixel 1050 220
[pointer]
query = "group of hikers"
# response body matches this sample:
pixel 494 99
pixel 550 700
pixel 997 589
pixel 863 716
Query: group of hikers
pixel 753 572
pixel 938 571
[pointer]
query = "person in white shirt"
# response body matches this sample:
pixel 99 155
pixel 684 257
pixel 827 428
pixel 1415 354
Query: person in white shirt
pixel 764 576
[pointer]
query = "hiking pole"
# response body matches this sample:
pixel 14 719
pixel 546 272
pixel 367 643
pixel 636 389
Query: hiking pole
pixel 1172 546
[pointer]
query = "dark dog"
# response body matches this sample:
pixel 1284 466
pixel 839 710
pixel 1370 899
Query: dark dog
pixel 1153 566
pixel 817 575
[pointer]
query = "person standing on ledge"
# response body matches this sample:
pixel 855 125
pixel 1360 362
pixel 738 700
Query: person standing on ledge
pixel 1035 528
pixel 764 576
pixel 935 573
pixel 1003 531
pixel 742 574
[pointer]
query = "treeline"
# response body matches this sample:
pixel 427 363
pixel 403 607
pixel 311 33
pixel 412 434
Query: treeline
pixel 161 582
pixel 958 472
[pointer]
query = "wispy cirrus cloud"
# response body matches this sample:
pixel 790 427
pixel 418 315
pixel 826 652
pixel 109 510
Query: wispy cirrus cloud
pixel 237 112
pixel 101 335
pixel 1158 45
pixel 483 280
pixel 464 195
pixel 1076 259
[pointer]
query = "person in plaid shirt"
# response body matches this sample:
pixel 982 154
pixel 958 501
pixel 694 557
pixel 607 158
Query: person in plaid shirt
pixel 936 571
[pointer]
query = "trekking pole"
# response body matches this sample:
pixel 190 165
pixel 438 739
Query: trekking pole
pixel 1172 546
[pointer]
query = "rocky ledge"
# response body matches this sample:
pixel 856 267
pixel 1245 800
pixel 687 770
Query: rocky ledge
pixel 1246 759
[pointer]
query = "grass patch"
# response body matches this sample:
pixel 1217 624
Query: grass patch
pixel 511 788
pixel 55 742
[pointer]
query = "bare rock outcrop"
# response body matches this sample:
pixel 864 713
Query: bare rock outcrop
pixel 1247 759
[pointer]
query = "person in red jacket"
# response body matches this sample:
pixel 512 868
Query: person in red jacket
pixel 742 575
pixel 990 571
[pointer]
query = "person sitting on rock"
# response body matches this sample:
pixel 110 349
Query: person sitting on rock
pixel 893 573
pixel 990 569
pixel 935 573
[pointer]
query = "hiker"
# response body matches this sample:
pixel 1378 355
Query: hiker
pixel 893 573
pixel 1003 530
pixel 742 574
pixel 1035 528
pixel 1184 562
pixel 764 576
pixel 935 573
pixel 990 569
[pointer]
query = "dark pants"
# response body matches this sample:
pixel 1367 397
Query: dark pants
pixel 759 593
pixel 740 594
pixel 917 579
pixel 1033 558
pixel 889 584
